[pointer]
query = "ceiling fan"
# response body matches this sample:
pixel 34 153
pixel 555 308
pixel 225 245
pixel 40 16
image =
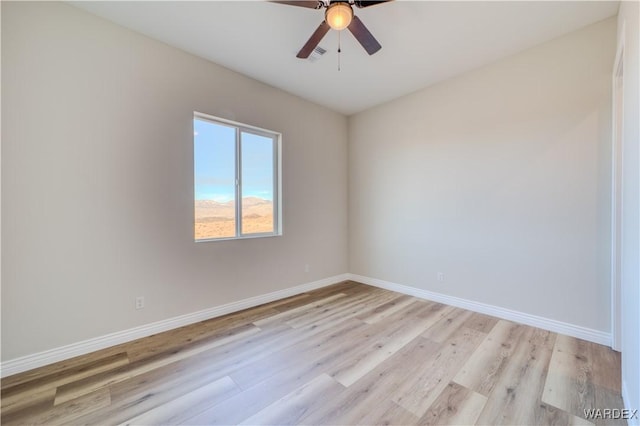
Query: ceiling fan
pixel 338 15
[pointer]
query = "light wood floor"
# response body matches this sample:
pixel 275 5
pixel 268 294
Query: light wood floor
pixel 345 354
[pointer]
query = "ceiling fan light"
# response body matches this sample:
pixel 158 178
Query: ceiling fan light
pixel 339 15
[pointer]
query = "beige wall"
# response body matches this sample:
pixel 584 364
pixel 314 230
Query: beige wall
pixel 629 31
pixel 499 178
pixel 97 182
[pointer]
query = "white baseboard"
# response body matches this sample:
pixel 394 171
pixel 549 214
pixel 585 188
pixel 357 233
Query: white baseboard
pixel 629 405
pixel 572 330
pixel 40 359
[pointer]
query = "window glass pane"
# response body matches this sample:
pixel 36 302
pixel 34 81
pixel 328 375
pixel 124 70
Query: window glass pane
pixel 215 180
pixel 257 183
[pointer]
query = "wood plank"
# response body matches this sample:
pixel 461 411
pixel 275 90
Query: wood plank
pixel 175 340
pixel 150 346
pixel 340 334
pixel 65 413
pixel 549 415
pixel 340 310
pixel 516 396
pixel 350 288
pixel 568 385
pixel 76 389
pixel 431 377
pixel 293 367
pixel 388 413
pixel 604 362
pixel 408 324
pixel 38 393
pixel 289 409
pixel 135 396
pixel 456 405
pixel 314 305
pixel 27 408
pixel 606 398
pixel 338 342
pixel 188 405
pixel 368 400
pixel 578 379
pixel 380 313
pixel 62 368
pixel 146 391
pixel 249 402
pixel 481 322
pixel 447 325
pixel 485 366
pixel 42 385
pixel 36 396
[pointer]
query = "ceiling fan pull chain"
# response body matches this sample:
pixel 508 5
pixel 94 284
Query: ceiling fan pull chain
pixel 339 49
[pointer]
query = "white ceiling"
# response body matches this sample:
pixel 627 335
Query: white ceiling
pixel 423 42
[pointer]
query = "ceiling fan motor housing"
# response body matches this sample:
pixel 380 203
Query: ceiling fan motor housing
pixel 339 15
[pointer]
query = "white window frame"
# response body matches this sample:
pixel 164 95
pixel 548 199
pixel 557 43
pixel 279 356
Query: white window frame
pixel 277 170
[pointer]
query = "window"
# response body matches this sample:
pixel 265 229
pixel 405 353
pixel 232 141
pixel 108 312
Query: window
pixel 237 180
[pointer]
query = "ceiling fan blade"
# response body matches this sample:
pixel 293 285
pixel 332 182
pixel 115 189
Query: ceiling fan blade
pixel 311 4
pixel 362 34
pixel 361 4
pixel 313 41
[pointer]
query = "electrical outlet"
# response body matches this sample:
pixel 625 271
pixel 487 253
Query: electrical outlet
pixel 440 276
pixel 139 302
pixel 306 267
